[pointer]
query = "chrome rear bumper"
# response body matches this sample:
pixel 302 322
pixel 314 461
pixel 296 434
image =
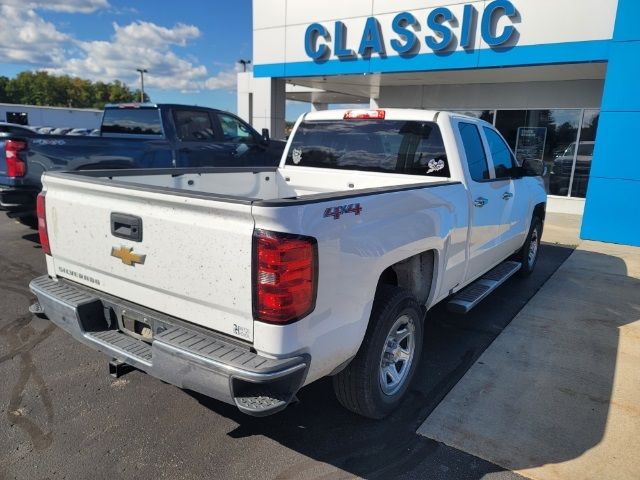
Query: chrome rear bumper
pixel 181 354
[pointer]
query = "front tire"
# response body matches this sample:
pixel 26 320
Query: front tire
pixel 528 255
pixel 376 380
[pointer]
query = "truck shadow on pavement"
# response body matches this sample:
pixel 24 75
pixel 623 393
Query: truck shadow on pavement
pixel 346 444
pixel 558 391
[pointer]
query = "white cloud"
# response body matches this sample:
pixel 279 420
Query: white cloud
pixel 146 45
pixel 68 6
pixel 154 36
pixel 25 37
pixel 225 80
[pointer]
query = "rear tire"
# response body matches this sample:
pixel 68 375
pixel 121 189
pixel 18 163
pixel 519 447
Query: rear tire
pixel 376 380
pixel 528 255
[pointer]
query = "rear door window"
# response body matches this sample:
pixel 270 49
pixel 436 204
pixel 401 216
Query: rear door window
pixel 132 121
pixel 393 146
pixel 193 125
pixel 474 151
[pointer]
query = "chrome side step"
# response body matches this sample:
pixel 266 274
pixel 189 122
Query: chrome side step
pixel 472 294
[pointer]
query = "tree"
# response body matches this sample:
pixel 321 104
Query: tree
pixel 43 88
pixel 4 81
pixel 136 94
pixel 100 95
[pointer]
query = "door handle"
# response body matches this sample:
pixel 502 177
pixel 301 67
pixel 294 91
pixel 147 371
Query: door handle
pixel 507 195
pixel 480 202
pixel 126 226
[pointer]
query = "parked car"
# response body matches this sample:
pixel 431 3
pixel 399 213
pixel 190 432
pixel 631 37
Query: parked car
pixel 132 136
pixel 60 131
pixel 80 131
pixel 245 284
pixel 15 129
pixel 563 165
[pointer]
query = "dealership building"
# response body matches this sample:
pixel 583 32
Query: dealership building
pixel 558 78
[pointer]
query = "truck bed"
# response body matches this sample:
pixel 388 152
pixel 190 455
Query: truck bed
pixel 263 186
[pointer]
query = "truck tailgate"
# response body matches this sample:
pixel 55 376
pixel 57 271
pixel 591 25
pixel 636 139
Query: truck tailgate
pixel 192 262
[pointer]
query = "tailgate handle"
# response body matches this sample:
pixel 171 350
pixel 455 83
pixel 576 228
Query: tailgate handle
pixel 126 226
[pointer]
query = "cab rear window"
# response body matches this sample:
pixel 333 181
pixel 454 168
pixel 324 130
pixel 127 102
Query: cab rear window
pixel 132 121
pixel 393 146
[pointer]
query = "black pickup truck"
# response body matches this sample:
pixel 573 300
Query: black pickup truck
pixel 132 136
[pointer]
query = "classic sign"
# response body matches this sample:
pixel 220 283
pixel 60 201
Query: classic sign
pixel 318 41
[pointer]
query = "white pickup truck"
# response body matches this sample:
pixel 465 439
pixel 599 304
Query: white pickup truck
pixel 247 284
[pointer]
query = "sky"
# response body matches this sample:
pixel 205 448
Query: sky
pixel 189 47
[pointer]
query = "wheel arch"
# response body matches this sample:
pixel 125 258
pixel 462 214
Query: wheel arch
pixel 540 210
pixel 415 274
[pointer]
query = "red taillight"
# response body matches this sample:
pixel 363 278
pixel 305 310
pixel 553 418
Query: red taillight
pixel 364 114
pixel 285 276
pixel 15 166
pixel 42 224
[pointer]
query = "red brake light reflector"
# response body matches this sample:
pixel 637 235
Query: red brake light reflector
pixel 364 114
pixel 285 276
pixel 15 166
pixel 42 224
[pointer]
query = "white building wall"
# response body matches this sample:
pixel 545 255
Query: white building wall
pixel 261 102
pixel 480 96
pixel 244 96
pixel 279 25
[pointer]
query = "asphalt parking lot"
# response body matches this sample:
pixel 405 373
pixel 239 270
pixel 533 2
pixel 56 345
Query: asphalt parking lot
pixel 63 416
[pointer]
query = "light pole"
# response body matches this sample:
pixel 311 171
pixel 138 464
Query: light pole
pixel 142 72
pixel 244 64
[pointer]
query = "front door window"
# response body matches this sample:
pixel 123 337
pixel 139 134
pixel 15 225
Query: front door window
pixel 233 130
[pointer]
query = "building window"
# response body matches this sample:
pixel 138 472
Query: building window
pixel 547 136
pixel 584 155
pixel 19 118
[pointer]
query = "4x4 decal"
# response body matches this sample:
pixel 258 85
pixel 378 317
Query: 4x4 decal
pixel 337 212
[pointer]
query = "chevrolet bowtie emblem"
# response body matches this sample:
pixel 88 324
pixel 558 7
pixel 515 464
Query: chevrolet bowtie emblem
pixel 127 256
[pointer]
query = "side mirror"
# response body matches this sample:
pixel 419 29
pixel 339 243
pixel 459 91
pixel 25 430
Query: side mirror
pixel 265 135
